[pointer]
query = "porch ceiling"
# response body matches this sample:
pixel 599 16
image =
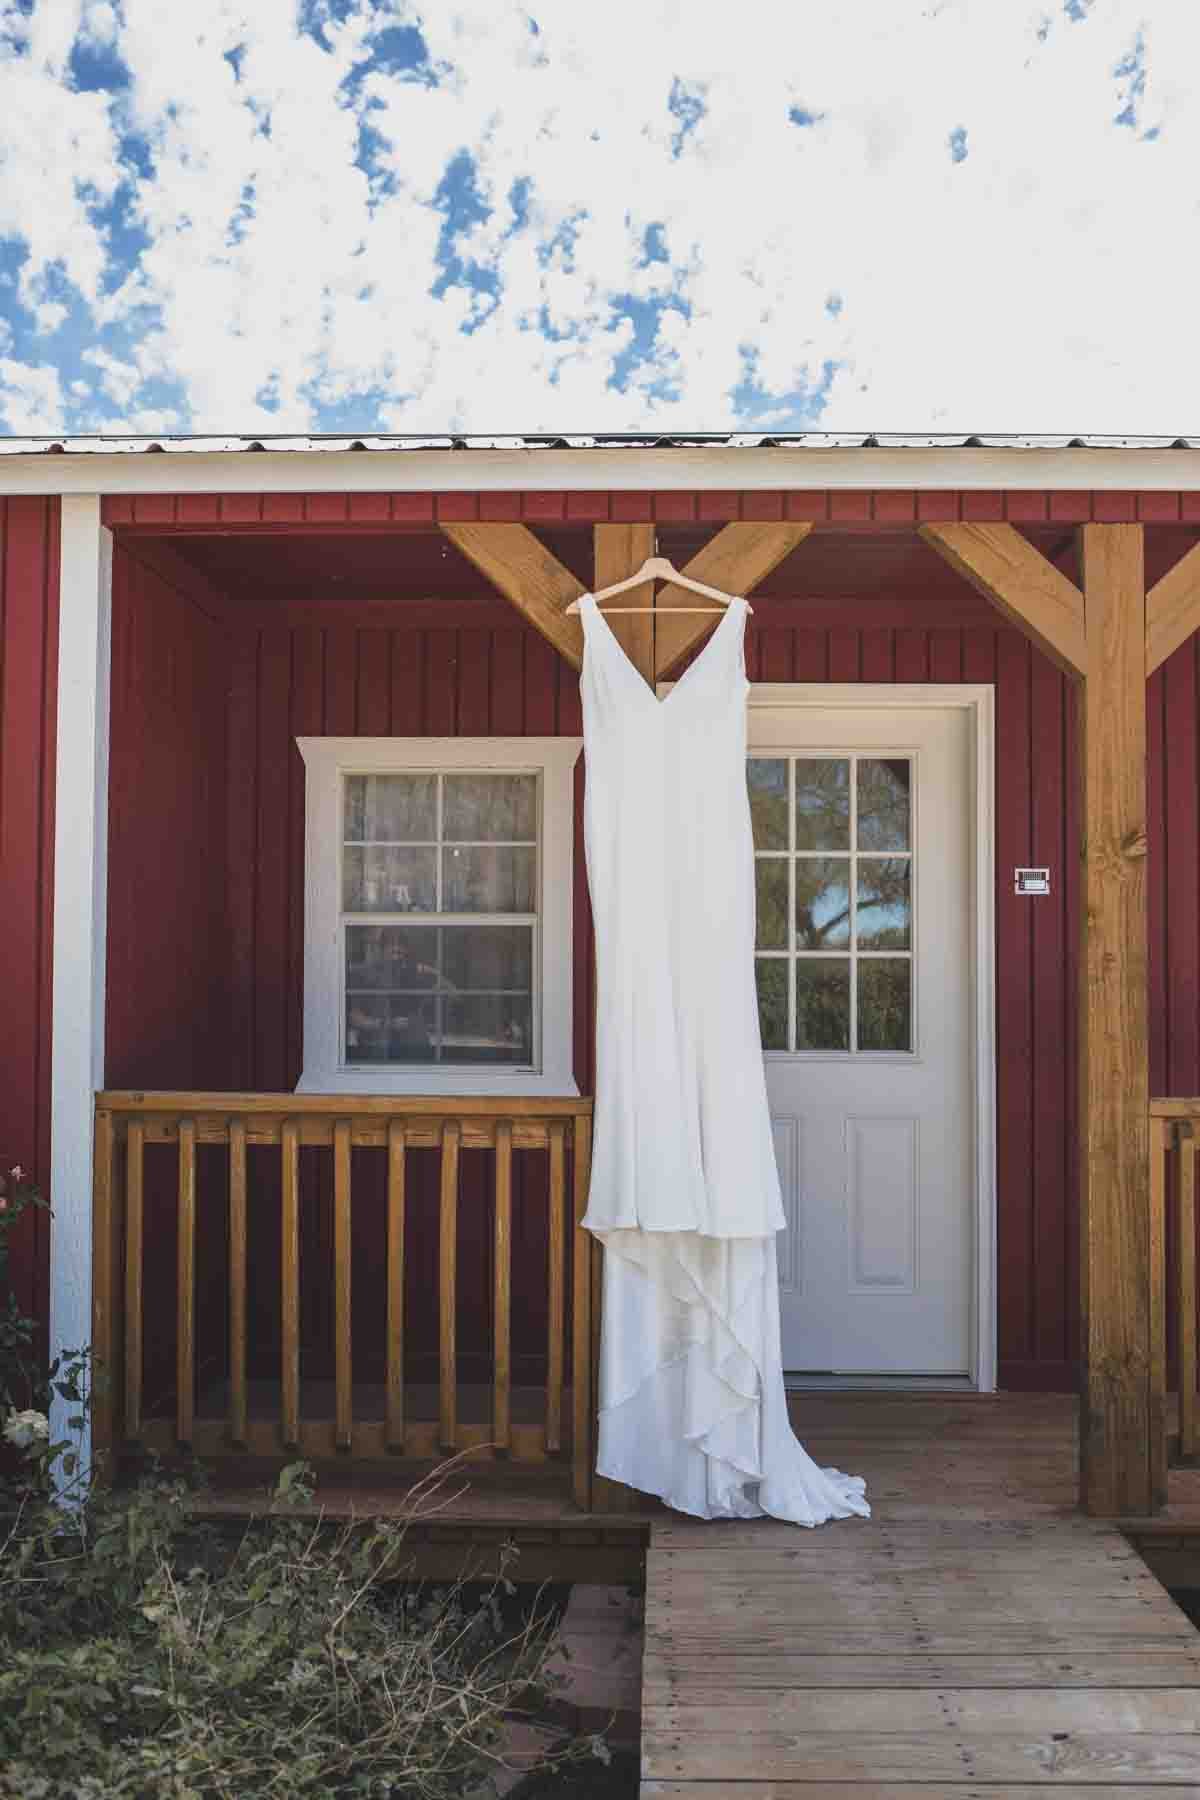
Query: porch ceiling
pixel 836 563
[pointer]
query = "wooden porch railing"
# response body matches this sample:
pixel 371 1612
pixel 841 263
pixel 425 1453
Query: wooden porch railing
pixel 1174 1143
pixel 126 1123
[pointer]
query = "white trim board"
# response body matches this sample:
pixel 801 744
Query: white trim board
pixel 978 699
pixel 80 923
pixel 316 470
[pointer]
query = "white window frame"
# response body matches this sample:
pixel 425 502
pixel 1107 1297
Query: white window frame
pixel 327 761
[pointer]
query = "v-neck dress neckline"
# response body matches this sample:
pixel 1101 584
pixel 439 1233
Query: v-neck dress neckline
pixel 736 607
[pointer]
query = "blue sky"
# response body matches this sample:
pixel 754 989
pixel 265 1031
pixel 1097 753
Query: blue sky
pixel 365 215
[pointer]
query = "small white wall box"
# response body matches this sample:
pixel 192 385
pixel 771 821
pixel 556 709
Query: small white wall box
pixel 1031 881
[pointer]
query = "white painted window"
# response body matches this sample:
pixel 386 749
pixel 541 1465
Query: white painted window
pixel 437 956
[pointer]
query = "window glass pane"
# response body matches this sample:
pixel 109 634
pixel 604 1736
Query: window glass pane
pixel 823 1003
pixel 425 993
pixel 490 808
pixel 822 804
pixel 391 809
pixel 482 879
pixel 884 914
pixel 771 974
pixel 492 1028
pixel 883 803
pixel 388 879
pixel 767 779
pixel 391 958
pixel 822 902
pixel 487 958
pixel 885 1004
pixel 771 889
pixel 390 1028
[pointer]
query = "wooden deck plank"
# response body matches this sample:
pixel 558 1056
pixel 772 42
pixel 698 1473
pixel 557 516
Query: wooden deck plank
pixel 976 1637
pixel 920 1790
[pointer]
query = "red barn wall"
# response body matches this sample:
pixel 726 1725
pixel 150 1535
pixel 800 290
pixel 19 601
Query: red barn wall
pixel 307 675
pixel 29 549
pixel 168 967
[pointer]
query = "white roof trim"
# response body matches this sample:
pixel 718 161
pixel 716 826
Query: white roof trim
pixel 242 464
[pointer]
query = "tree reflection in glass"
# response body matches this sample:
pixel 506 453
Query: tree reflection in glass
pixel 822 804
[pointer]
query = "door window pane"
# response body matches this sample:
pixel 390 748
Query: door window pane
pixel 822 902
pixel 822 804
pixel 767 779
pixel 771 975
pixel 771 894
pixel 823 1003
pixel 885 1003
pixel 884 910
pixel 883 803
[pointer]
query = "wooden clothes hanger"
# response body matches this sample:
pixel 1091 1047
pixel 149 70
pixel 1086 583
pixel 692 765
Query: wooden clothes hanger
pixel 657 568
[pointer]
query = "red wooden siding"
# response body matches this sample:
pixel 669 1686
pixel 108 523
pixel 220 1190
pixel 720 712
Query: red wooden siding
pixel 892 506
pixel 29 549
pixel 167 960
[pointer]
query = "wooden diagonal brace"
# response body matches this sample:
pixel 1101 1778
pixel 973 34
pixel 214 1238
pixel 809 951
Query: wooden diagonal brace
pixel 529 576
pixel 1173 609
pixel 1021 583
pixel 736 560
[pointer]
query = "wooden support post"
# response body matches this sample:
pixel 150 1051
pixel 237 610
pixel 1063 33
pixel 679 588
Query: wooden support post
pixel 619 551
pixel 1120 1413
pixel 1185 1286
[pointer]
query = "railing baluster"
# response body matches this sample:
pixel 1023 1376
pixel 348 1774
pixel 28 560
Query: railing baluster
pixel 395 1285
pixel 1185 1288
pixel 135 1144
pixel 581 1321
pixel 289 1146
pixel 1160 1142
pixel 185 1286
pixel 237 1281
pixel 502 1292
pixel 343 1374
pixel 555 1308
pixel 106 1250
pixel 448 1287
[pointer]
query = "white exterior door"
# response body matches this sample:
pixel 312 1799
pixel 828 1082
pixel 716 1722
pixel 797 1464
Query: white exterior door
pixel 865 839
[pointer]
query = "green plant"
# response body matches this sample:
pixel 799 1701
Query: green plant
pixel 20 1385
pixel 144 1652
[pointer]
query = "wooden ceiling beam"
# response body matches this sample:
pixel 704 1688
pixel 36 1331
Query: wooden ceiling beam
pixel 1173 609
pixel 735 560
pixel 529 576
pixel 1021 583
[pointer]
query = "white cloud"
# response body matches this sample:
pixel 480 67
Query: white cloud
pixel 1003 198
pixel 30 399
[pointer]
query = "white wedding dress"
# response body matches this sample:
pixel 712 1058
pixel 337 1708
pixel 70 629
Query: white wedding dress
pixel 685 1192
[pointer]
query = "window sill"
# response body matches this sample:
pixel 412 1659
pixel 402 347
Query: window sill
pixel 436 1083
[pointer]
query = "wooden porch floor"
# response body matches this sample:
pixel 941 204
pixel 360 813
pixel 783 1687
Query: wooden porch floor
pixel 977 1637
